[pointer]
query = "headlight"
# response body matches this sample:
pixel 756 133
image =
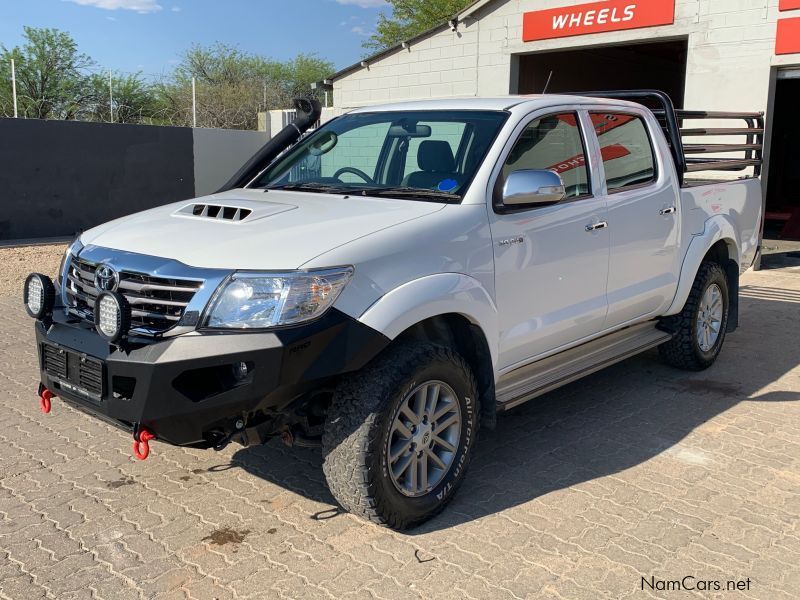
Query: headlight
pixel 264 300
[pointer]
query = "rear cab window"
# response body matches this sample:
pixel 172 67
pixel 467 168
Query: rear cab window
pixel 627 150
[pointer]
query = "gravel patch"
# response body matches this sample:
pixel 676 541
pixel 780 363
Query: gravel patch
pixel 16 263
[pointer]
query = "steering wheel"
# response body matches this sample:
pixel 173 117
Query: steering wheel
pixel 354 171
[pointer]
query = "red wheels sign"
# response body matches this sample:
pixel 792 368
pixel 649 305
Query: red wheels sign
pixel 788 38
pixel 597 17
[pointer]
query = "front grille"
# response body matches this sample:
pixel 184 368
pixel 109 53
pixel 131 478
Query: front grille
pixel 157 303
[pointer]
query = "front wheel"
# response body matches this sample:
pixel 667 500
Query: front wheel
pixel 399 435
pixel 699 329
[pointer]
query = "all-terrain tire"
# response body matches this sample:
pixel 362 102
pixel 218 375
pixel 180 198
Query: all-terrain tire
pixel 683 351
pixel 358 431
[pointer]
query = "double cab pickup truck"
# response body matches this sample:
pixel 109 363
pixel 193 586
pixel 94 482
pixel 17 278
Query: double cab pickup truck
pixel 384 284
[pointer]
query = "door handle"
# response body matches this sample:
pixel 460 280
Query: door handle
pixel 596 226
pixel 668 211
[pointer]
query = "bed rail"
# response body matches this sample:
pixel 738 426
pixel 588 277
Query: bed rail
pixel 685 154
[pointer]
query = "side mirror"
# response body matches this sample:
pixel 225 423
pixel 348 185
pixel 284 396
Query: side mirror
pixel 533 187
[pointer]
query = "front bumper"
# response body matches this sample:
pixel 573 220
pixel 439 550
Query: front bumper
pixel 184 389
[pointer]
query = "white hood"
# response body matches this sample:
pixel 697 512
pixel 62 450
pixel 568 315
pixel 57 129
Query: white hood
pixel 283 230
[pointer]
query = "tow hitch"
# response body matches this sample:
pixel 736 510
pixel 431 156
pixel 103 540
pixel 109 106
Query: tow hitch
pixel 141 443
pixel 45 399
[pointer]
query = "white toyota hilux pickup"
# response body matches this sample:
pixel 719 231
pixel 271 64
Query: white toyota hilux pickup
pixel 383 285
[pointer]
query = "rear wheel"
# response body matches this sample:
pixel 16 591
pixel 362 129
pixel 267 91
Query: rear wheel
pixel 700 327
pixel 399 435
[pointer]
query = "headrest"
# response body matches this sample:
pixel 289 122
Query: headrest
pixel 436 156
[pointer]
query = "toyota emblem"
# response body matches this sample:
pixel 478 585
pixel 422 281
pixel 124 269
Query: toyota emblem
pixel 106 279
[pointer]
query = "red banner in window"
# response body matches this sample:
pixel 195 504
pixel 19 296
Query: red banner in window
pixel 596 17
pixel 789 4
pixel 788 39
pixel 609 153
pixel 605 123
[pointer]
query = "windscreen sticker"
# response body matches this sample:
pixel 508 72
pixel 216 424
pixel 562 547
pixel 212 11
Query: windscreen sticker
pixel 447 185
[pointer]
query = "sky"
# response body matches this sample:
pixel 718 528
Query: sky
pixel 149 36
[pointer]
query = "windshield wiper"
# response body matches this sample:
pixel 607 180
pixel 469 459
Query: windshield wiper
pixel 409 192
pixel 391 192
pixel 310 186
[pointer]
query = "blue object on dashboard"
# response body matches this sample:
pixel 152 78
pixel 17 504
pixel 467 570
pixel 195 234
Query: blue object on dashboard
pixel 448 185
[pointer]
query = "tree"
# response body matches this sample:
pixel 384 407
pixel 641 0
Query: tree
pixel 232 86
pixel 410 18
pixel 54 81
pixel 51 75
pixel 134 99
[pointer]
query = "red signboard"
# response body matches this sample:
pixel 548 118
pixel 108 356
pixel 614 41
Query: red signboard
pixel 788 40
pixel 597 17
pixel 789 4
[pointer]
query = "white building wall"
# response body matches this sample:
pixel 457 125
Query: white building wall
pixel 731 50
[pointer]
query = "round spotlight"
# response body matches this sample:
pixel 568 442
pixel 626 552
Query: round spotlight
pixel 112 316
pixel 39 295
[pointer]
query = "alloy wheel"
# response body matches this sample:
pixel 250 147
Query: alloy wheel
pixel 709 318
pixel 424 438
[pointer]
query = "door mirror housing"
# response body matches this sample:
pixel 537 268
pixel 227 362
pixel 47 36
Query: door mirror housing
pixel 530 187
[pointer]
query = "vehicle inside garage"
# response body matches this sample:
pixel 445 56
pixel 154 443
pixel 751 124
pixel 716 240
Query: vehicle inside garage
pixel 657 65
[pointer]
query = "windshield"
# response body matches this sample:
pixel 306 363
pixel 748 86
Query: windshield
pixel 427 155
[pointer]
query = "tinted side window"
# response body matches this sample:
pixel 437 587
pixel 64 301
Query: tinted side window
pixel 553 143
pixel 627 152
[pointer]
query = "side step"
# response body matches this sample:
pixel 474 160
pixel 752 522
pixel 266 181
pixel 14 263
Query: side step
pixel 531 381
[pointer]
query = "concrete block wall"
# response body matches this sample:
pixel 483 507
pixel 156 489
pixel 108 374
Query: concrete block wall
pixel 731 51
pixel 442 65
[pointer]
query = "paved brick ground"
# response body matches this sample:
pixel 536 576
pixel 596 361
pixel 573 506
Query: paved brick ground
pixel 639 471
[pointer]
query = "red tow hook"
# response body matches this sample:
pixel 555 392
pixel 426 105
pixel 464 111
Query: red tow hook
pixel 141 446
pixel 45 397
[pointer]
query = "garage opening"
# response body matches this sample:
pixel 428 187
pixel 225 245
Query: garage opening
pixel 783 188
pixel 781 245
pixel 657 65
